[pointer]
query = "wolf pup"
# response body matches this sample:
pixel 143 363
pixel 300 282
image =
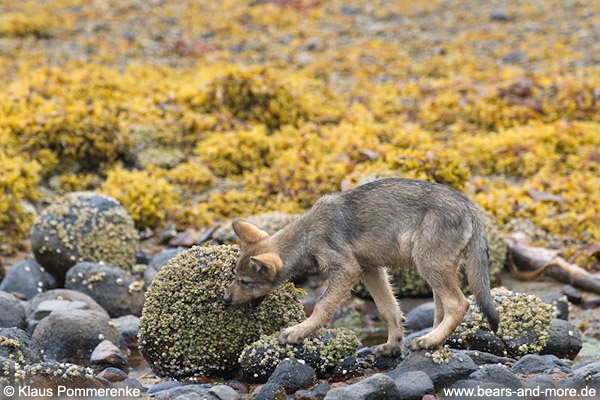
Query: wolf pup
pixel 353 235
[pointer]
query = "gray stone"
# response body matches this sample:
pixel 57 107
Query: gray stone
pixel 129 326
pixel 46 307
pixel 375 387
pixel 559 303
pixel 106 354
pixel 497 374
pixel 18 345
pixel 269 391
pixel 72 335
pixel 539 381
pixel 177 391
pixel 420 317
pixel 12 313
pixel 113 374
pixel 293 374
pixel 165 385
pixel 588 374
pixel 536 364
pixel 63 294
pixel 317 393
pixel 564 340
pixel 483 358
pixel 484 390
pixel 224 392
pixel 498 15
pixel 414 385
pixel 158 261
pixel 116 290
pixel 28 278
pixel 459 366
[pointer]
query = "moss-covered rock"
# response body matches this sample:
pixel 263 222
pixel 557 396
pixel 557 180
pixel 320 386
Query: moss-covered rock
pixel 323 351
pixel 268 222
pixel 525 322
pixel 84 226
pixel 186 329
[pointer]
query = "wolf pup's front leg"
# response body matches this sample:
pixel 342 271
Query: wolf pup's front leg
pixel 341 281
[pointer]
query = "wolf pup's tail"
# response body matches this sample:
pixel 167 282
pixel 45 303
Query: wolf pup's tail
pixel 478 273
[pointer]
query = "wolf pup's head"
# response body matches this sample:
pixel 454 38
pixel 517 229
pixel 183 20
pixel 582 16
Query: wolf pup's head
pixel 257 267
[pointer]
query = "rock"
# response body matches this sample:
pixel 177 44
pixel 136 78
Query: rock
pixel 28 278
pixel 238 386
pixel 63 295
pixel 10 372
pixel 514 57
pixel 444 366
pixel 316 393
pixel 293 374
pixel 269 391
pixel 559 303
pixel 185 391
pixel 573 295
pixel 112 374
pixel 483 390
pixel 191 331
pixel 497 374
pixel 164 385
pixel 73 335
pixel 386 362
pixel 116 290
pixel 524 328
pixel 322 351
pixel 348 368
pixel 12 313
pixel 588 374
pixel 375 387
pixel 364 352
pixel 564 340
pixel 414 385
pixel 83 226
pixel 17 345
pixel 539 381
pixel 106 354
pixel 53 374
pixel 498 15
pixel 46 307
pixel 224 392
pixel 128 326
pixel 130 383
pixel 535 364
pixel 420 317
pixel 483 358
pixel 158 261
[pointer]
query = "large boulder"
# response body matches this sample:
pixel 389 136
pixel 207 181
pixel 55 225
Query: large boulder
pixel 83 226
pixel 116 290
pixel 12 313
pixel 322 351
pixel 186 328
pixel 72 336
pixel 564 340
pixel 28 278
pixel 17 345
pixel 524 326
pixel 63 295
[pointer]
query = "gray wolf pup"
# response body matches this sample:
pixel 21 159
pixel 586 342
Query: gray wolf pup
pixel 353 235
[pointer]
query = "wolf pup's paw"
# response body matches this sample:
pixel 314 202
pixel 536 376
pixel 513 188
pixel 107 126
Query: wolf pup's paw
pixel 292 335
pixel 423 343
pixel 389 349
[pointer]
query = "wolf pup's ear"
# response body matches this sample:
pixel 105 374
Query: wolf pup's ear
pixel 268 264
pixel 247 232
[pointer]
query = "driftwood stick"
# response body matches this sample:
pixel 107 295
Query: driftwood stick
pixel 542 261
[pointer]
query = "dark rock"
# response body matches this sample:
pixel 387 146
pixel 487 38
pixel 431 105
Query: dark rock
pixel 63 294
pixel 293 374
pixel 535 364
pixel 560 304
pixel 16 344
pixel 53 374
pixel 165 385
pixel 564 340
pixel 116 290
pixel 46 307
pixel 129 326
pixel 414 385
pixel 514 57
pixel 348 368
pixel 12 313
pixel 589 374
pixel 316 393
pixel 142 258
pixel 158 261
pixel 483 358
pixel 83 226
pixel 223 392
pixel 498 15
pixel 420 317
pixel 269 391
pixel 483 390
pixel 375 387
pixel 364 352
pixel 497 374
pixel 174 392
pixel 112 374
pixel 239 387
pixel 73 335
pixel 539 381
pixel 106 354
pixel 131 383
pixel 386 362
pixel 28 278
pixel 444 367
pixel 573 295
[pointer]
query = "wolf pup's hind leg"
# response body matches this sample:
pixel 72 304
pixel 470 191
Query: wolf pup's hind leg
pixel 377 283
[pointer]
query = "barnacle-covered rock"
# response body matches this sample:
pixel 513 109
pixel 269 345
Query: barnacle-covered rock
pixel 83 226
pixel 53 374
pixel 186 329
pixel 525 322
pixel 10 372
pixel 18 346
pixel 323 351
pixel 268 222
pixel 160 156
